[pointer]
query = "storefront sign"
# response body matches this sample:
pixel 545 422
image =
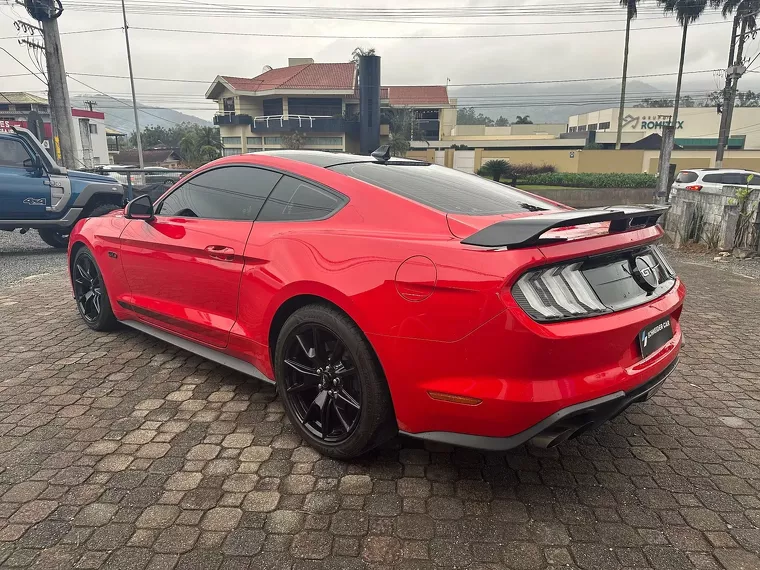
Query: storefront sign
pixel 654 122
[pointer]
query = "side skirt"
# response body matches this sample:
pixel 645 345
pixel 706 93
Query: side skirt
pixel 206 352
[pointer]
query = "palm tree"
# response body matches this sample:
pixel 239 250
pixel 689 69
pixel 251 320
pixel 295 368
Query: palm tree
pixel 632 6
pixel 523 120
pixel 361 52
pixel 496 169
pixel 687 12
pixel 744 9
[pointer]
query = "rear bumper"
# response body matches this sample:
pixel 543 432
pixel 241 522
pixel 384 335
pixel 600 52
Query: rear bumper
pixel 562 425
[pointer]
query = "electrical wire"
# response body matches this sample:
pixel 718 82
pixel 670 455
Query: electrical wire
pixel 418 37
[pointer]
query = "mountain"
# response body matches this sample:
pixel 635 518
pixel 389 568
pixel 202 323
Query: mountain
pixel 122 118
pixel 550 103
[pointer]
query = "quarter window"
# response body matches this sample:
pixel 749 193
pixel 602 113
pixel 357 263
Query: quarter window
pixel 295 200
pixel 734 178
pixel 12 153
pixel 227 193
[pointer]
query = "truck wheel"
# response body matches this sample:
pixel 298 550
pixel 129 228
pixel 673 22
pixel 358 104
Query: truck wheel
pixel 102 210
pixel 55 238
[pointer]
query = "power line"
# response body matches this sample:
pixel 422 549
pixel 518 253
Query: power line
pixel 419 37
pixel 533 82
pixel 70 33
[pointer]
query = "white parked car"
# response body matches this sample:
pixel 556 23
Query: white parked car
pixel 713 179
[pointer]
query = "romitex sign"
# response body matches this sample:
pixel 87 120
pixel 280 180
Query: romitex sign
pixel 654 122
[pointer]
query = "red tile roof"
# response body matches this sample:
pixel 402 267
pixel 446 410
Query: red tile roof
pixel 307 76
pixel 417 94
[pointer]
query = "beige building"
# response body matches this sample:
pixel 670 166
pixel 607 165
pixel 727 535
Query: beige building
pixel 319 100
pixel 697 127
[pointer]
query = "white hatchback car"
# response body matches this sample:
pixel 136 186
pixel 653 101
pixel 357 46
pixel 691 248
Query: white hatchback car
pixel 713 179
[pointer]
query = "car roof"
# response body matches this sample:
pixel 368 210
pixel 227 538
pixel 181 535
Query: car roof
pixel 713 170
pixel 327 159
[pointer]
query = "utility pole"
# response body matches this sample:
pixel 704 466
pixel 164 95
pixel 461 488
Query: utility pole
pixel 90 104
pixel 132 82
pixel 47 12
pixel 735 70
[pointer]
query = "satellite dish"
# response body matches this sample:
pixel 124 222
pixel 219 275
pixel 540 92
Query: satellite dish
pixel 266 68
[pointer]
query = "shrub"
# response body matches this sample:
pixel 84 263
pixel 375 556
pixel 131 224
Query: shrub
pixel 530 169
pixel 592 180
pixel 506 170
pixel 496 169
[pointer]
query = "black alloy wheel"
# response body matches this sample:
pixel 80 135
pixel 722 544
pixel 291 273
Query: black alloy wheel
pixel 322 383
pixel 88 288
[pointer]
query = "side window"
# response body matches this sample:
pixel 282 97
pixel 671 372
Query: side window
pixel 227 193
pixel 12 153
pixel 294 200
pixel 712 178
pixel 734 178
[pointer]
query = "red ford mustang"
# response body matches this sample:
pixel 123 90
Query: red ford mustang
pixel 389 295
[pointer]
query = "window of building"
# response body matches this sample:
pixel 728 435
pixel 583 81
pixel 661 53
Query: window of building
pixel 96 160
pixel 572 129
pixel 93 129
pixel 232 151
pixel 253 141
pixel 227 193
pixel 272 107
pixel 581 128
pixel 592 127
pixel 228 104
pixel 315 106
pixel 272 140
pixel 316 141
pixel 296 200
pixel 12 153
pixel 445 189
pixel 604 126
pixel 232 140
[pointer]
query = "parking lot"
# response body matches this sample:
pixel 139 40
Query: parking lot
pixel 120 451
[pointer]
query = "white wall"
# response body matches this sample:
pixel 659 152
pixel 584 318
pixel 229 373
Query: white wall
pixel 99 144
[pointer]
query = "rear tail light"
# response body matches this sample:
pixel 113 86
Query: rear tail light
pixel 694 188
pixel 563 292
pixel 557 293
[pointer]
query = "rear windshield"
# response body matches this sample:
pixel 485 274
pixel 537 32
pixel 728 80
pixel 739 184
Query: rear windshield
pixel 686 176
pixel 445 189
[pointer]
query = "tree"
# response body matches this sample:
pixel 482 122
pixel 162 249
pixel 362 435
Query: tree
pixel 686 101
pixel 400 126
pixel 523 120
pixel 294 140
pixel 360 52
pixel 743 99
pixel 745 9
pixel 199 145
pixel 502 122
pixel 687 12
pixel 632 9
pixel 496 169
pixel 467 116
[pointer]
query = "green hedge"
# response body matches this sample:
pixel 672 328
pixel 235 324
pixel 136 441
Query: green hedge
pixel 592 180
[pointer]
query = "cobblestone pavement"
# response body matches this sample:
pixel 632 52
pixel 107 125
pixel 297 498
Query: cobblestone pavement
pixel 119 451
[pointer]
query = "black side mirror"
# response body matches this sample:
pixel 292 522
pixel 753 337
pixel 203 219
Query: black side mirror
pixel 141 208
pixel 33 163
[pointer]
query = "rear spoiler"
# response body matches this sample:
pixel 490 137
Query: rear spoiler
pixel 527 231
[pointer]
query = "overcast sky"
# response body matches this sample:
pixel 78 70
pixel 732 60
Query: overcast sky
pixel 405 61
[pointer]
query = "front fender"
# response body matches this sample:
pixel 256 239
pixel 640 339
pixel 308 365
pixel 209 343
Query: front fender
pixel 84 191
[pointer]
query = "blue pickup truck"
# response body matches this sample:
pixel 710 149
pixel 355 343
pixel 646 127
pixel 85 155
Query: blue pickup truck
pixel 36 193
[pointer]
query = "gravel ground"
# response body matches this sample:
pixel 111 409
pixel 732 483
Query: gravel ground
pixel 23 256
pixel 749 268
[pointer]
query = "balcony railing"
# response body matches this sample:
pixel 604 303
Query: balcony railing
pixel 229 118
pixel 307 123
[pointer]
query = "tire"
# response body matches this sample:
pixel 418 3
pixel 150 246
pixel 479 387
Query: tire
pixel 86 277
pixel 336 388
pixel 102 210
pixel 55 238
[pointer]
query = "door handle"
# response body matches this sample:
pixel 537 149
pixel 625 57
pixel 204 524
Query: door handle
pixel 220 252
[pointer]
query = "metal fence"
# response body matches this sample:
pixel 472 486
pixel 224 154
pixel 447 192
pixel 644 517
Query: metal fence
pixel 139 181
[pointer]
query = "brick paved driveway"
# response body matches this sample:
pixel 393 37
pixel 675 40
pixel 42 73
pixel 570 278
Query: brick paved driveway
pixel 119 451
